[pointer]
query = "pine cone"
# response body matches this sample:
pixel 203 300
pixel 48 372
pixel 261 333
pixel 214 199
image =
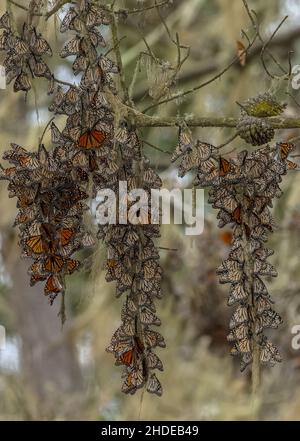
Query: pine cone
pixel 254 131
pixel 263 105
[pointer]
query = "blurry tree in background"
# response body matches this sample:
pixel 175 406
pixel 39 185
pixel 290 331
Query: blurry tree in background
pixel 49 372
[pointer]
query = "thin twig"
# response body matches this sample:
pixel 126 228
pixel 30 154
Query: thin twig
pixel 228 141
pixel 116 45
pixel 18 5
pixel 205 83
pixel 146 8
pixel 267 43
pixel 45 129
pixel 256 28
pixel 156 148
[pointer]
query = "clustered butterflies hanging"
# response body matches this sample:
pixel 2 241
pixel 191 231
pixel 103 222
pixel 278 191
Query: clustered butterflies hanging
pixel 242 189
pixel 51 205
pixel 133 262
pixel 52 187
pixel 110 156
pixel 24 54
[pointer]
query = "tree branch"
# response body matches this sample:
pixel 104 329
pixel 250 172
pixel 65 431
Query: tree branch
pixel 142 120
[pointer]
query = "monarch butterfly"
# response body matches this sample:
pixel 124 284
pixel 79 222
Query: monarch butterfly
pixel 128 327
pixel 259 287
pixel 25 215
pixel 128 387
pixel 22 83
pixel 36 244
pixel 97 38
pixel 87 240
pixel 107 65
pixel 35 278
pixel 94 17
pixel 263 303
pixel 54 264
pixel 126 358
pixel 246 360
pixel 237 215
pixel 264 269
pixel 154 386
pixel 225 167
pixel 53 285
pixel 237 254
pixel 244 345
pixel 268 319
pixel 228 203
pixel 291 165
pixel 80 64
pixel 239 316
pixel 69 17
pixel 237 293
pixel 153 339
pixel 230 272
pixel 269 352
pixel 148 318
pixel 21 47
pixel 153 361
pixel 263 253
pixel 5 21
pixel 39 45
pixel 91 139
pixel 241 331
pixel 72 265
pixel 72 47
pixel 40 69
pixel 65 235
pixel 284 149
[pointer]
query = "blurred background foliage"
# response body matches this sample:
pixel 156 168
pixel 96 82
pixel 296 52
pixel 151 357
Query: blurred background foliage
pixel 51 373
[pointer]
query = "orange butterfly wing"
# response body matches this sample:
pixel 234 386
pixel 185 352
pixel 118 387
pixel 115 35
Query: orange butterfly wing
pixel 127 358
pixel 54 264
pixel 71 265
pixel 83 140
pixel 35 243
pixel 91 139
pixel 65 236
pixel 225 167
pixel 53 285
pixel 237 215
pixel 98 136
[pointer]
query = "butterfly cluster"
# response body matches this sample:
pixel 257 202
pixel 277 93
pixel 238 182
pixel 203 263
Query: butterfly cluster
pixel 24 54
pixel 51 205
pixel 242 190
pixel 107 153
pixel 133 262
pixel 87 141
